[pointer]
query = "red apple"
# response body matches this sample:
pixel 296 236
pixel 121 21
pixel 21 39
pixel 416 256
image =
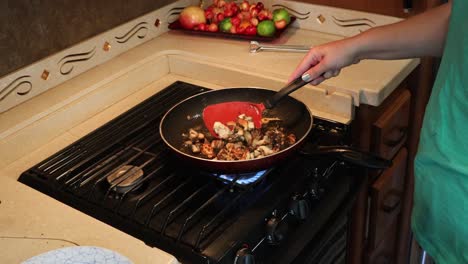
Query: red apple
pixel 251 30
pixel 280 24
pixel 262 16
pixel 244 6
pixel 228 13
pixel 270 16
pixel 213 27
pixel 240 29
pixel 220 17
pixel 202 27
pixel 254 13
pixel 209 14
pixel 235 9
pixel 246 15
pixel 259 6
pixel 235 21
pixel 254 21
pixel 192 16
pixel 221 3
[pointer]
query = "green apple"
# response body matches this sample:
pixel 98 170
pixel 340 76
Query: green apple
pixel 281 14
pixel 225 25
pixel 266 28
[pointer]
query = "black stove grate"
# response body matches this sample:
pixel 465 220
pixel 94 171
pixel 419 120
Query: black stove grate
pixel 154 197
pixel 178 199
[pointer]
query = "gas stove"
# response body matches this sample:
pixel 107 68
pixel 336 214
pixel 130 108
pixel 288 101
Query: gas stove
pixel 123 174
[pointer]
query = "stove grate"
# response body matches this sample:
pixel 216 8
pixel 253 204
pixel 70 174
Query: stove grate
pixel 178 203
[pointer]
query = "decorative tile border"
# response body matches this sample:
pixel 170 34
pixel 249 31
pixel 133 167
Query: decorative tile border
pixel 332 20
pixel 38 77
pixel 18 85
pixel 67 63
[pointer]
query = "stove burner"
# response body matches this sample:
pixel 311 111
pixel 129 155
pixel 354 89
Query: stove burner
pixel 124 175
pixel 125 178
pixel 242 179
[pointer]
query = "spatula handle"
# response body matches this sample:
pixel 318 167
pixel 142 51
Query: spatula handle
pixel 291 87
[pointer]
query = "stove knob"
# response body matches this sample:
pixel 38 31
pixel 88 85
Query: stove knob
pixel 299 208
pixel 275 231
pixel 316 191
pixel 244 256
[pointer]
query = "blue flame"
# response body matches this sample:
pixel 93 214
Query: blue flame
pixel 244 178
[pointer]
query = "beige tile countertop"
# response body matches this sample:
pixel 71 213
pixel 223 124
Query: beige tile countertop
pixel 32 223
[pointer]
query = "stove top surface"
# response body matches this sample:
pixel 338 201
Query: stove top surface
pixel 123 174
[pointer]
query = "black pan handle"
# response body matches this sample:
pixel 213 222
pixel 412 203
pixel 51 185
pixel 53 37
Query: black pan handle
pixel 351 155
pixel 285 91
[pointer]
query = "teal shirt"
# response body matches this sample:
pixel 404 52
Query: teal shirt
pixel 440 211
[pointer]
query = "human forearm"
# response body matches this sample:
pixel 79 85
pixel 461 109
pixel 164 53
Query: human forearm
pixel 422 35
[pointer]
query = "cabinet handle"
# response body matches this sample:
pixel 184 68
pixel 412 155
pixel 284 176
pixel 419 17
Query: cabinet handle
pixel 391 201
pixel 402 131
pixel 407 6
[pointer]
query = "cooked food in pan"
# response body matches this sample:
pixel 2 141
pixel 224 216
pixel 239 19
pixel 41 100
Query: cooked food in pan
pixel 238 140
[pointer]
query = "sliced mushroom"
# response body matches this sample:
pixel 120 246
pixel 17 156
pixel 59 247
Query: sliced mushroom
pixel 195 148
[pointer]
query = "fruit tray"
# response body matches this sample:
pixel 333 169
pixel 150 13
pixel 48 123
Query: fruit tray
pixel 176 26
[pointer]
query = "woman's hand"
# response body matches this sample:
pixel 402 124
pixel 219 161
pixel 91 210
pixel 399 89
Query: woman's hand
pixel 417 36
pixel 326 61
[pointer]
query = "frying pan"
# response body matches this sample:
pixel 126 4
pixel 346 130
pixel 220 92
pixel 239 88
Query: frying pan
pixel 295 116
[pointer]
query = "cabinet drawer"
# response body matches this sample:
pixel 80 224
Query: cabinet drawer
pixel 384 253
pixel 386 195
pixel 391 128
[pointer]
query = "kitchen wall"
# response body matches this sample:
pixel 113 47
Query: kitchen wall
pixel 31 30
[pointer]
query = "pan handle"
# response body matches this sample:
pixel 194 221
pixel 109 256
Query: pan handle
pixel 289 88
pixel 351 155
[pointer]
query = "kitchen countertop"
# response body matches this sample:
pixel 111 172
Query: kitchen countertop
pixel 32 223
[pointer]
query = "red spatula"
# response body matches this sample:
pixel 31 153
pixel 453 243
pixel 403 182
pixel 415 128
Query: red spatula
pixel 230 111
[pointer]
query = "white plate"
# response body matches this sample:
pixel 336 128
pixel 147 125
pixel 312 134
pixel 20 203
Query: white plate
pixel 79 255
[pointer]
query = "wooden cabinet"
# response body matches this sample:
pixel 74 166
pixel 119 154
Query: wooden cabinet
pixel 386 195
pixel 384 253
pixel 385 130
pixel 391 129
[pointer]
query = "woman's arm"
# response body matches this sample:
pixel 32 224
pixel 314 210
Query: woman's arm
pixel 421 35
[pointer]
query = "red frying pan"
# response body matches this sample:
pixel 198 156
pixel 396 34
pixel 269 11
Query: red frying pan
pixel 296 117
